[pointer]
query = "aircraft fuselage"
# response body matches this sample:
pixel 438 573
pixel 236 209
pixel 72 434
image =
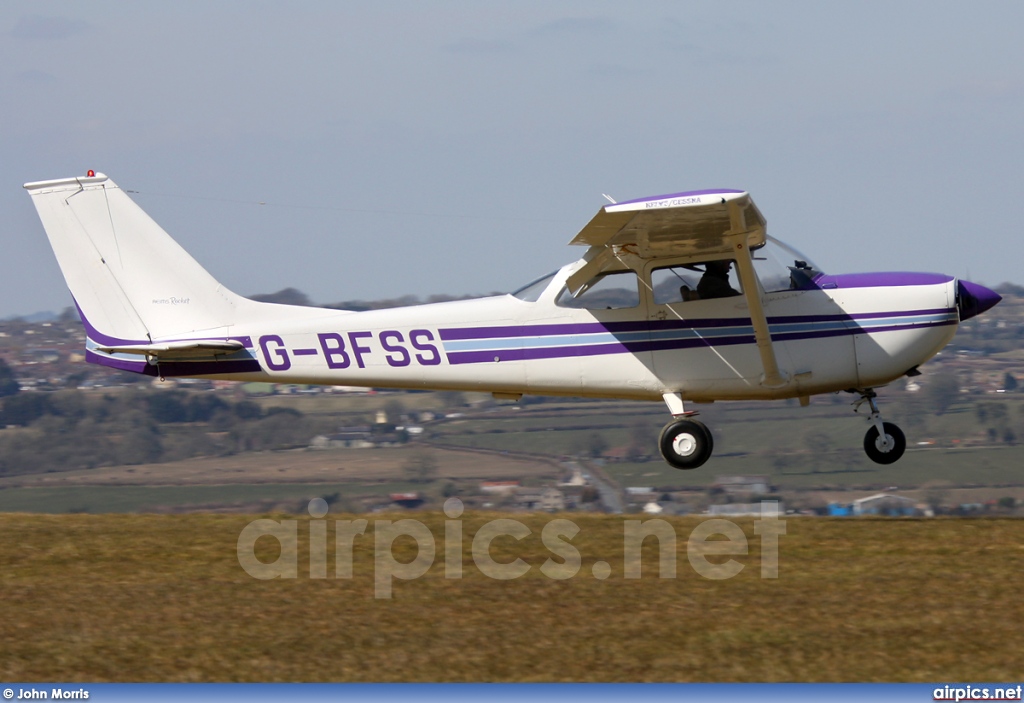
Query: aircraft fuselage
pixel 852 331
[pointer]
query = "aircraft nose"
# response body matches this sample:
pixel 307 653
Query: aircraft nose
pixel 973 299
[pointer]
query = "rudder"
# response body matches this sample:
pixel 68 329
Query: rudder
pixel 129 278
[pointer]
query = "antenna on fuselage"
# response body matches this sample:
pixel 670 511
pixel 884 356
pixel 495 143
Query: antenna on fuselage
pixel 609 198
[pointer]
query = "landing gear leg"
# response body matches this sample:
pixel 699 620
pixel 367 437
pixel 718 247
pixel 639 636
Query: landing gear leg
pixel 884 443
pixel 685 443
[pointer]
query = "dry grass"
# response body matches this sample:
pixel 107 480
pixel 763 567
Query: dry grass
pixel 160 598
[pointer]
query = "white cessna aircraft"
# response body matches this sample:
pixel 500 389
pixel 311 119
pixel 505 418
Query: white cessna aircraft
pixel 678 297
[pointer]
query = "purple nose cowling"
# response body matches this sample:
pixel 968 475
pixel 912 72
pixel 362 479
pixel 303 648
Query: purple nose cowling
pixel 973 299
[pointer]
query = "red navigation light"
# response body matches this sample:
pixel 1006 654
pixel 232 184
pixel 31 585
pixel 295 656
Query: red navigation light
pixel 90 173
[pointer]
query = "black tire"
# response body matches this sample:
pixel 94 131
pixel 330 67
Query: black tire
pixel 876 454
pixel 686 444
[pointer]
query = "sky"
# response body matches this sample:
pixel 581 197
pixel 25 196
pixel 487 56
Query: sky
pixel 374 150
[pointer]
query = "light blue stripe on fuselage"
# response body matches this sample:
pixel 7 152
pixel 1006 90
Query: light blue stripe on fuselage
pixel 559 340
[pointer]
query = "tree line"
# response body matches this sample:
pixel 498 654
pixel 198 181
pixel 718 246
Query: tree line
pixel 68 430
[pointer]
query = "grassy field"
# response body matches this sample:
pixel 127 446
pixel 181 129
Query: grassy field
pixel 163 598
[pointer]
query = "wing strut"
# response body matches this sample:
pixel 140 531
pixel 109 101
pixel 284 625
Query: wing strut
pixel 737 235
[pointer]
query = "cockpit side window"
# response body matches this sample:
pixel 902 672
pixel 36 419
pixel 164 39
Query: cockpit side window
pixel 701 281
pixel 610 291
pixel 674 284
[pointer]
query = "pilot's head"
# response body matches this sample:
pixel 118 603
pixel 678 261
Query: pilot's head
pixel 720 266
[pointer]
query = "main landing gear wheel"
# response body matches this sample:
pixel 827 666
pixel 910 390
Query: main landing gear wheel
pixel 885 449
pixel 686 444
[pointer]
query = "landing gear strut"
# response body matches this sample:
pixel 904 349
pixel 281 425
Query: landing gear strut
pixel 884 443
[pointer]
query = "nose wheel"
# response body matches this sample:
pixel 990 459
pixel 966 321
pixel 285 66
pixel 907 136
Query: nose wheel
pixel 686 444
pixel 887 446
pixel 884 442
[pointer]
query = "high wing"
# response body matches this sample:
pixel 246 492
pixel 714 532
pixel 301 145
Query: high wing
pixel 670 225
pixel 705 224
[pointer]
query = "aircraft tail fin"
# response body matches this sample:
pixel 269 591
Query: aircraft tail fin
pixel 131 281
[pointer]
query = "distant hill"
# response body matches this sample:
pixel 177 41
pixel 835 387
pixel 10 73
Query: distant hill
pixel 44 316
pixel 285 296
pixel 293 296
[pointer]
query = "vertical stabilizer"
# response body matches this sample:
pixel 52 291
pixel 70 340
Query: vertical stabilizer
pixel 131 281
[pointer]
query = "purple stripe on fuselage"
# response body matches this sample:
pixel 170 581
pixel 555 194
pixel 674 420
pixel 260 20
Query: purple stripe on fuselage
pixel 503 355
pixel 657 325
pixel 881 280
pixel 816 334
pixel 688 194
pixel 476 357
pixel 511 332
pixel 454 334
pixel 469 333
pixel 844 317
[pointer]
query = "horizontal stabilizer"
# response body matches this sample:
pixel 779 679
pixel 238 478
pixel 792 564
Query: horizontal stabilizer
pixel 179 351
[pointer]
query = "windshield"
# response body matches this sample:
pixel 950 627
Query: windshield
pixel 532 290
pixel 781 267
pixel 608 291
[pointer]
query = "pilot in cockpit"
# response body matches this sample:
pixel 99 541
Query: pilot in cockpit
pixel 715 281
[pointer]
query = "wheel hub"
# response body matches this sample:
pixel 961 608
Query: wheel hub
pixel 684 444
